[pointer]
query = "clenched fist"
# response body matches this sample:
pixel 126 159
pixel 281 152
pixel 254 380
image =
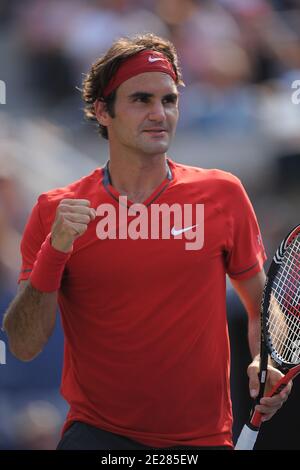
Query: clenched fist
pixel 71 221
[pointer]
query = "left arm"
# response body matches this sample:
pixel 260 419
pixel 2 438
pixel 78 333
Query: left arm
pixel 250 292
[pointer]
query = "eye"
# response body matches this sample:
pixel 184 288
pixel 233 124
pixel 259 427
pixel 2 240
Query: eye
pixel 141 99
pixel 172 99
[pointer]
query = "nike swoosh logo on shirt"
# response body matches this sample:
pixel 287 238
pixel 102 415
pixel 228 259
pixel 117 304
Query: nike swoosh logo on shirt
pixel 154 59
pixel 175 232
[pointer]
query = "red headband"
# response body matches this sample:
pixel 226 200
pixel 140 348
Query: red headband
pixel 144 61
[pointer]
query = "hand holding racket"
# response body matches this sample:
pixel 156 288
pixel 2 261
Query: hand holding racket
pixel 280 327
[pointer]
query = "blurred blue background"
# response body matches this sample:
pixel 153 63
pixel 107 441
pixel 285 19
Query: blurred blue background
pixel 239 60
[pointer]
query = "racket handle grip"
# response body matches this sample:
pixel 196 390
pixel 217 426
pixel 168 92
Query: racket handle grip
pixel 255 420
pixel 256 417
pixel 246 439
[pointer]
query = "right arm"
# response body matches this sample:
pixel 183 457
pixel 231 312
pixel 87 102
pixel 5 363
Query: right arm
pixel 30 318
pixel 29 321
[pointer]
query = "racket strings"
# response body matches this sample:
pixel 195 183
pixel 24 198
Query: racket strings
pixel 284 306
pixel 286 326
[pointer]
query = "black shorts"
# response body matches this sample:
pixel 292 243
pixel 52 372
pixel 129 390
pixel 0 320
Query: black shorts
pixel 82 436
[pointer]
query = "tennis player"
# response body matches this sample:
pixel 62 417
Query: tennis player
pixel 136 255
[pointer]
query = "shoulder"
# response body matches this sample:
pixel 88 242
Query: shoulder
pixel 82 188
pixel 214 178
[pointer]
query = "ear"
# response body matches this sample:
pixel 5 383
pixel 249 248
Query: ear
pixel 101 112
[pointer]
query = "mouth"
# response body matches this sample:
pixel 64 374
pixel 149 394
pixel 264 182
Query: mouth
pixel 156 132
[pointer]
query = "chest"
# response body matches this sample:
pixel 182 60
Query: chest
pixel 124 245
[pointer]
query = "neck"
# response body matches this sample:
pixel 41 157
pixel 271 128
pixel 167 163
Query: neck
pixel 137 178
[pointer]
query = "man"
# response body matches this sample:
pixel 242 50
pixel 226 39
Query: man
pixel 137 254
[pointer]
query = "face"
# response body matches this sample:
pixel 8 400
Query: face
pixel 146 114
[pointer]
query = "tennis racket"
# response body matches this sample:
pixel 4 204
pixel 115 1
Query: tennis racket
pixel 280 327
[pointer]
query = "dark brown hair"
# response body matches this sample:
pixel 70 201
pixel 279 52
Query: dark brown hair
pixel 104 68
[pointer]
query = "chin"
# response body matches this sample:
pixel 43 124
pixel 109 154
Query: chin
pixel 153 145
pixel 155 148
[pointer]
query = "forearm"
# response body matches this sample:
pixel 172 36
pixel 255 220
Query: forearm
pixel 254 336
pixel 30 319
pixel 29 322
pixel 250 292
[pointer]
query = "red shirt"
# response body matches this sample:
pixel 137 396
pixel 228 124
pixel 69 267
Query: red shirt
pixel 146 340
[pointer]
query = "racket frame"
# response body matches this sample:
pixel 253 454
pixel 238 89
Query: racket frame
pixel 250 431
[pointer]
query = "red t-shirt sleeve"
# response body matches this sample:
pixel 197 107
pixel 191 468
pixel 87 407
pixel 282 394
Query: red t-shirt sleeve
pixel 245 254
pixel 33 237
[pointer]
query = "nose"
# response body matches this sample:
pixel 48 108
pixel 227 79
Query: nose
pixel 157 112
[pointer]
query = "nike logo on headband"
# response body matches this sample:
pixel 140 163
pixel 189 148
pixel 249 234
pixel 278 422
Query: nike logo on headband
pixel 153 59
